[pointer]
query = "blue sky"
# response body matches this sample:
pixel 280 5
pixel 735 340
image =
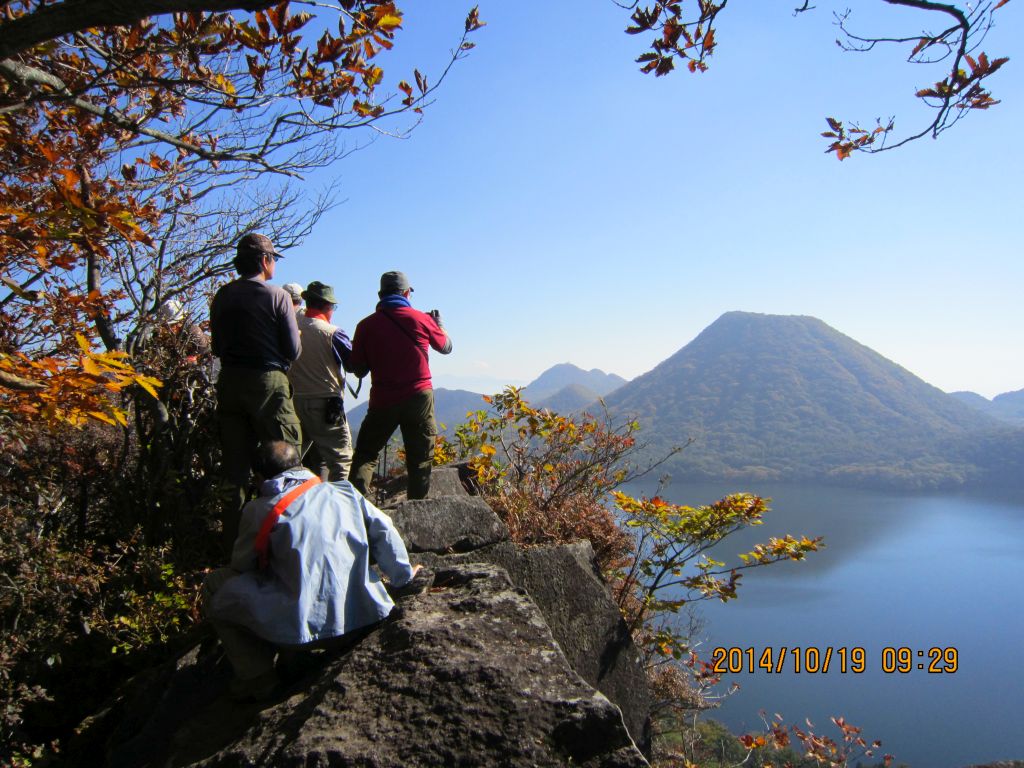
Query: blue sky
pixel 558 206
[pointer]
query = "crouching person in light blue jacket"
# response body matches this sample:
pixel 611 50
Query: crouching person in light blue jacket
pixel 300 569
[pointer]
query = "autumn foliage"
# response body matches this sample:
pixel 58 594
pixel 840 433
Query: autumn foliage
pixel 550 475
pixel 554 479
pixel 687 32
pixel 132 158
pixel 117 143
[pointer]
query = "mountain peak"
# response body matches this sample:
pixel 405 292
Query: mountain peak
pixel 558 377
pixel 788 397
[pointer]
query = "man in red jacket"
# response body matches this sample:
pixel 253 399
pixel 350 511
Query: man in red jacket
pixel 392 346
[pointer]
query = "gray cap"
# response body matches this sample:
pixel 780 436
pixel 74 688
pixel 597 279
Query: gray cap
pixel 319 292
pixel 294 290
pixel 256 244
pixel 394 282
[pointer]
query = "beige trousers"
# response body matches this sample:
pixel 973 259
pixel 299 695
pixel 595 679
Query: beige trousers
pixel 326 448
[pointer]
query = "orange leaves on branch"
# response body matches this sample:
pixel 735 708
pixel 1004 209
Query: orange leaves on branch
pixel 366 110
pixel 692 41
pixel 923 43
pixel 962 89
pixel 822 749
pixel 276 15
pixel 708 43
pixel 786 548
pixel 473 22
pixel 752 742
pixel 372 76
pixel 549 473
pixel 103 137
pixel 387 17
pixel 959 92
pixel 672 553
pixel 846 141
pixel 59 213
pixel 71 390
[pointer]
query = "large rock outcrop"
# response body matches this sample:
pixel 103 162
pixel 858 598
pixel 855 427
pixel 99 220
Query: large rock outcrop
pixel 562 580
pixel 496 664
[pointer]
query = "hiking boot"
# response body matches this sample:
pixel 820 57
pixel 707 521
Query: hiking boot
pixel 259 688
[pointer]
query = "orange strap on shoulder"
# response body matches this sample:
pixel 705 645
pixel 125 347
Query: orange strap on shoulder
pixel 263 537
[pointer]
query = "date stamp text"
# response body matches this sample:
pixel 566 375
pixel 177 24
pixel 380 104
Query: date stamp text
pixel 821 660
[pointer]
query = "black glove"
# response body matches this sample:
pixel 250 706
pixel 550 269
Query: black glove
pixel 436 314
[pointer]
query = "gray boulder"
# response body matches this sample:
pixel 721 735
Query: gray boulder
pixel 562 580
pixel 447 524
pixel 449 481
pixel 564 583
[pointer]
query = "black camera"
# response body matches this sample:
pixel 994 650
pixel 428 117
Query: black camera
pixel 334 413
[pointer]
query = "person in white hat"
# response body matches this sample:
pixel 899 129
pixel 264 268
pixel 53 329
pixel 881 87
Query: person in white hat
pixel 295 291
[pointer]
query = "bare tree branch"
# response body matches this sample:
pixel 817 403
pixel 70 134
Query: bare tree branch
pixel 53 21
pixel 30 76
pixel 952 98
pixel 11 381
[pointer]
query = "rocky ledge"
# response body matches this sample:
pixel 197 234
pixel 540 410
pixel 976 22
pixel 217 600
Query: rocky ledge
pixel 513 657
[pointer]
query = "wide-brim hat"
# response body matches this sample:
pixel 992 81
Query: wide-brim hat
pixel 319 292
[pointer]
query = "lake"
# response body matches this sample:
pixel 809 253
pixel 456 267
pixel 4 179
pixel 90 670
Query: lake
pixel 898 571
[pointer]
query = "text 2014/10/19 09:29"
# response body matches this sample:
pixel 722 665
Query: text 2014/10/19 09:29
pixel 814 660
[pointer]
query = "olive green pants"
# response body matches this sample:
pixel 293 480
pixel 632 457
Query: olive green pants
pixel 252 407
pixel 415 417
pixel 251 657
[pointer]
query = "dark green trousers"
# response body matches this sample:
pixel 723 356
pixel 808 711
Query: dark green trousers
pixel 415 417
pixel 252 407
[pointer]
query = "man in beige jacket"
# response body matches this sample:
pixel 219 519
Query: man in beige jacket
pixel 318 385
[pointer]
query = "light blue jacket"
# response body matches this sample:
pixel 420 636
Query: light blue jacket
pixel 318 582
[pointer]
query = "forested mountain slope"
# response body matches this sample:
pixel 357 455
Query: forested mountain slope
pixel 788 397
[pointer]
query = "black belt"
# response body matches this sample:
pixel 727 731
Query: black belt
pixel 256 368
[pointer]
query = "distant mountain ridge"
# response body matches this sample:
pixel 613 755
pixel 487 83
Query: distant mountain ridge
pixel 778 397
pixel 790 398
pixel 567 400
pixel 556 378
pixel 1008 407
pixel 450 408
pixel 563 388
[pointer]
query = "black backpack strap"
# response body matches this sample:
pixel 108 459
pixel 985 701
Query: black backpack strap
pixel 405 330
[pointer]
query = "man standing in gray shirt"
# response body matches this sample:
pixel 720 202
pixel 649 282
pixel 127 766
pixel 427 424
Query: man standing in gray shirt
pixel 253 332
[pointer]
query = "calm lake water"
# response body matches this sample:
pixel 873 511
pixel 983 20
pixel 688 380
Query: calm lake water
pixel 898 571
